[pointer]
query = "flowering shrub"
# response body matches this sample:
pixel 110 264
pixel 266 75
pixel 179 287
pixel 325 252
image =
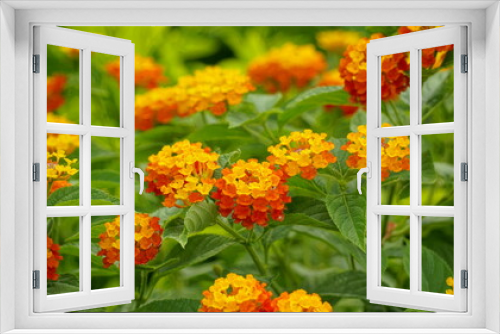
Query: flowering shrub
pixel 302 153
pixel 252 192
pixel 53 259
pixel 286 67
pixel 147 240
pixel 148 74
pixel 182 172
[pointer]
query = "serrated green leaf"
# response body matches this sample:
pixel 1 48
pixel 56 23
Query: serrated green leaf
pixel 70 196
pixel 349 284
pixel 199 248
pixel 348 212
pixel 304 220
pixel 305 188
pixel 175 230
pixel 199 216
pixel 171 305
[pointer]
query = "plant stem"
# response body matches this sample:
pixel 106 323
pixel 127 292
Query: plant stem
pixel 229 230
pixel 256 259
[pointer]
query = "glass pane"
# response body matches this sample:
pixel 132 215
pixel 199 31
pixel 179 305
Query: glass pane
pixel 63 81
pixel 437 254
pixel 105 252
pixel 437 84
pixel 395 158
pixel 105 173
pixel 437 170
pixel 395 234
pixel 105 93
pixel 63 255
pixel 395 95
pixel 63 152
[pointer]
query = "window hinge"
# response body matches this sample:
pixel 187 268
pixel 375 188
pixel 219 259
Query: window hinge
pixel 465 64
pixel 36 172
pixel 36 279
pixel 36 63
pixel 464 171
pixel 464 279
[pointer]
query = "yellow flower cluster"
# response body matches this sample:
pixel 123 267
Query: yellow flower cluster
pixel 286 67
pixel 236 293
pixel 302 153
pixel 300 301
pixel 182 172
pixel 212 89
pixel 336 40
pixel 450 282
pixel 52 118
pixel 56 170
pixel 395 152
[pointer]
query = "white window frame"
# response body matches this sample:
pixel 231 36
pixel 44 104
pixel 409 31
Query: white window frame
pixel 483 20
pixel 125 132
pixel 414 297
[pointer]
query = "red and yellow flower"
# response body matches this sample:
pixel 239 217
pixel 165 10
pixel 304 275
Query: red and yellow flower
pixel 148 74
pixel 182 172
pixel 286 67
pixel 236 293
pixel 432 57
pixel 336 40
pixel 302 153
pixel 300 301
pixel 53 259
pixel 59 170
pixel 395 155
pixel 252 193
pixel 213 89
pixel 55 86
pixel 333 78
pixel 148 237
pixel 353 70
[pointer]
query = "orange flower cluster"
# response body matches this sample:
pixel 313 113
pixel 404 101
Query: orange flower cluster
pixel 353 70
pixel 55 86
pixel 395 152
pixel 336 40
pixel 302 153
pixel 287 66
pixel 212 89
pixel 147 236
pixel 148 74
pixel 333 78
pixel 252 192
pixel 433 57
pixel 235 293
pixel 53 259
pixel 182 172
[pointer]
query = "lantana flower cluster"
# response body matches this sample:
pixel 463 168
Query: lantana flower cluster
pixel 288 66
pixel 182 173
pixel 148 237
pixel 55 87
pixel 213 89
pixel 432 57
pixel 235 293
pixel 148 74
pixel 395 152
pixel 302 153
pixel 252 193
pixel 59 170
pixel 53 259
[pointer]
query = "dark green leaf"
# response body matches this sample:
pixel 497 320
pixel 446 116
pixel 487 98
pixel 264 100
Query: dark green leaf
pixel 304 220
pixel 348 212
pixel 175 230
pixel 306 188
pixel 171 305
pixel 349 284
pixel 200 216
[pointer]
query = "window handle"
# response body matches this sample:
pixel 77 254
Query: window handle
pixel 139 171
pixel 368 171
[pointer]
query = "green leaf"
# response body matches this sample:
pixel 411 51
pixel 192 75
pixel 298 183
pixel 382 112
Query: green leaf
pixel 175 230
pixel 70 196
pixel 348 212
pixel 359 118
pixel 263 102
pixel 306 188
pixel 304 220
pixel 275 234
pixel 240 114
pixel 435 271
pixel 312 208
pixel 219 132
pixel 105 179
pixel 312 99
pixel 171 305
pixel 66 283
pixel 200 248
pixel 349 284
pixel 200 216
